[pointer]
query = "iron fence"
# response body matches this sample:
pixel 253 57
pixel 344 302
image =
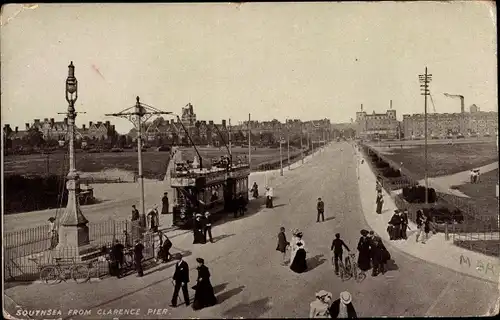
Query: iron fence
pixel 477 232
pixel 27 251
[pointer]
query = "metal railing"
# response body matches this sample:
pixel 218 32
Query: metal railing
pixel 27 251
pixel 476 232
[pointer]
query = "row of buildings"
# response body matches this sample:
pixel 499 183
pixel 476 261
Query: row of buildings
pixel 174 131
pixel 204 132
pixel 58 130
pixel 439 125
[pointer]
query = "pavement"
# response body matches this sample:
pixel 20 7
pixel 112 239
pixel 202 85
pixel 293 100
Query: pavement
pixel 116 200
pixel 444 183
pixel 246 272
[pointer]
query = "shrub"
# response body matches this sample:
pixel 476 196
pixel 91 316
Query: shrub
pixel 416 194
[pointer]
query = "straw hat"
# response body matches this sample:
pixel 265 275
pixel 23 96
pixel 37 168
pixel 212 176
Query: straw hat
pixel 345 297
pixel 323 294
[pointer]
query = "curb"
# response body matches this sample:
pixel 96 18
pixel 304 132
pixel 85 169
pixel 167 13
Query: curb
pixel 365 215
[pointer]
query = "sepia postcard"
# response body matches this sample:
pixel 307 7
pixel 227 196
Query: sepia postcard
pixel 250 160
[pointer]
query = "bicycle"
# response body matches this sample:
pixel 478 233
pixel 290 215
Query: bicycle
pixel 58 272
pixel 343 273
pixel 352 268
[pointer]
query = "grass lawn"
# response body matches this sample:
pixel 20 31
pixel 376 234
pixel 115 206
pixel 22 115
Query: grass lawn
pixel 483 195
pixel 488 247
pixel 154 162
pixel 444 159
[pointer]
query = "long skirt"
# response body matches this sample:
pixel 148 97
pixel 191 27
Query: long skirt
pixel 204 295
pixel 199 237
pixel 299 263
pixel 364 261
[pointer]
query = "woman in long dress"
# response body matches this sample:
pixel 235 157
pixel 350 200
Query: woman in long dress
pixel 204 295
pixel 364 251
pixel 199 236
pixel 293 244
pixel 298 259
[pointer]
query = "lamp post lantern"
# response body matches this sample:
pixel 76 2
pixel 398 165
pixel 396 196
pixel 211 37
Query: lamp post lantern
pixel 73 229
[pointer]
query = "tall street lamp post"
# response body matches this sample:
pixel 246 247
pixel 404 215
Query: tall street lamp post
pixel 73 230
pixel 138 115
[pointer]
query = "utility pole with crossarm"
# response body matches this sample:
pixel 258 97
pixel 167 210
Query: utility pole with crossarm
pixel 138 115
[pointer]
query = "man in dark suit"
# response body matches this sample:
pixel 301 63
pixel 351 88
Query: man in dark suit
pixel 321 210
pixel 346 310
pixel 118 256
pixel 404 223
pixel 138 257
pixel 282 244
pixel 181 279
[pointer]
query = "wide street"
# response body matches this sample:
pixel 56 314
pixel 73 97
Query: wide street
pixel 246 270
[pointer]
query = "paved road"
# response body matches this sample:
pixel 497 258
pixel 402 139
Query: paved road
pixel 251 283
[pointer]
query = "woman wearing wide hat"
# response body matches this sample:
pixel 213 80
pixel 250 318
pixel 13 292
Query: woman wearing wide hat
pixel 299 263
pixel 198 234
pixel 320 307
pixel 342 307
pixel 204 295
pixel 364 251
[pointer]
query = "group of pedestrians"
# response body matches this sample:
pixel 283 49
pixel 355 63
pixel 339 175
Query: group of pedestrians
pixel 298 255
pixel 117 265
pixel 398 225
pixel 372 253
pixel 204 292
pixel 323 307
pixel 202 228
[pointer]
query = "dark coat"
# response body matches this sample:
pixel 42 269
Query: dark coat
pixel 117 252
pixel 320 206
pixel 181 273
pixel 364 254
pixel 335 309
pixel 395 220
pixel 138 251
pixel 204 295
pixel 164 208
pixel 404 218
pixel 135 214
pixel 282 243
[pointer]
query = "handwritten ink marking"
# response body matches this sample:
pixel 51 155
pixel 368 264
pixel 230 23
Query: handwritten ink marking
pixel 483 267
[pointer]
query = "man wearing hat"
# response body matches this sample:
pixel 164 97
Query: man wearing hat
pixel 320 306
pixel 404 223
pixel 208 227
pixel 198 234
pixel 164 201
pixel 342 307
pixel 320 206
pixel 138 257
pixel 181 279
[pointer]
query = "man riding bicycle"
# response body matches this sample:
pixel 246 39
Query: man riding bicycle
pixel 337 248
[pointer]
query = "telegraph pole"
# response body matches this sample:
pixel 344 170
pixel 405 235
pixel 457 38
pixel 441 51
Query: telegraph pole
pixel 302 148
pixel 424 86
pixel 288 142
pixel 229 138
pixel 138 115
pixel 249 144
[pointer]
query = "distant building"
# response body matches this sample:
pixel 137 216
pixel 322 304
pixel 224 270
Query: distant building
pixel 206 133
pixel 443 125
pixel 377 125
pixel 58 130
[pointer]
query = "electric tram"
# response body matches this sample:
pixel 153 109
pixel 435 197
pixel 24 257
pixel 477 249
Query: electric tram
pixel 215 189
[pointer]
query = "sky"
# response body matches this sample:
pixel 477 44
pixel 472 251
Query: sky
pixel 273 60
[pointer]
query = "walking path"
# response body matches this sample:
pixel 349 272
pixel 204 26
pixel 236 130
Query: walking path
pixel 444 183
pixel 437 250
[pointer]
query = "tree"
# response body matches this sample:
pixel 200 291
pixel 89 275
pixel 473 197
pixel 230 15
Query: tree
pixel 34 137
pixel 122 141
